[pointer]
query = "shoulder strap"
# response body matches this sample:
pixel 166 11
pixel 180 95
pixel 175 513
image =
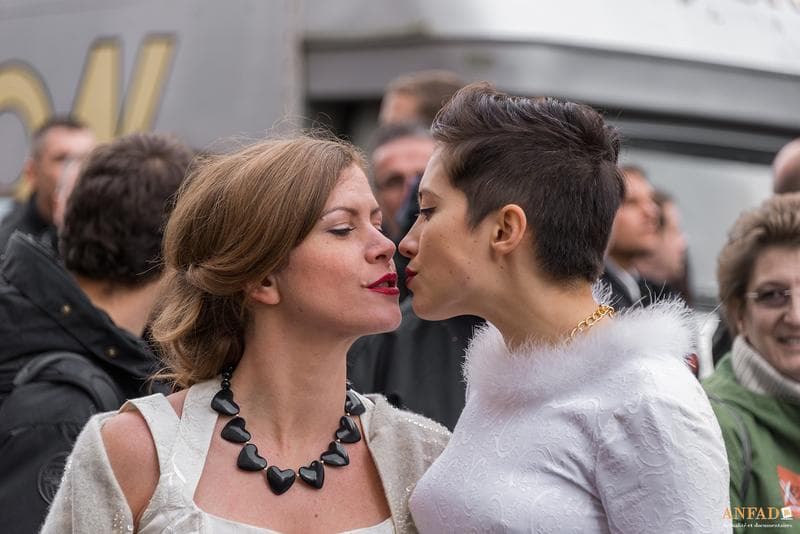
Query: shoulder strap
pixel 744 438
pixel 163 423
pixel 74 369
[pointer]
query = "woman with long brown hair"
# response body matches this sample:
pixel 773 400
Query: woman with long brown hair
pixel 276 264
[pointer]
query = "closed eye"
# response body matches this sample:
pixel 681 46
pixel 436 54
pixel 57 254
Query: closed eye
pixel 425 213
pixel 341 232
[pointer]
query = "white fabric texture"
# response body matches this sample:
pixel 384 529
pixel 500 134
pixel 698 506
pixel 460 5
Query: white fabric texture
pixel 403 445
pixel 608 433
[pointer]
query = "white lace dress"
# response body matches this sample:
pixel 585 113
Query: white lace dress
pixel 611 433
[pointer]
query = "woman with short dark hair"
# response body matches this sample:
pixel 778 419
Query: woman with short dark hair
pixel 576 420
pixel 755 389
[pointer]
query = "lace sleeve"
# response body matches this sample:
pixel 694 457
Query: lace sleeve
pixel 662 467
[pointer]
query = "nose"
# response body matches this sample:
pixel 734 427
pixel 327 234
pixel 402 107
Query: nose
pixel 382 249
pixel 409 245
pixel 793 313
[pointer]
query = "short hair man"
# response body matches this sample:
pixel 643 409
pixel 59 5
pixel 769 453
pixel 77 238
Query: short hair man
pixel 95 310
pixel 55 145
pixel 634 235
pixel 418 96
pixel 399 156
pixel 786 169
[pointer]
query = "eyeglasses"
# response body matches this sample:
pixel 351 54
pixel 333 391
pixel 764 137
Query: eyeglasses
pixel 771 298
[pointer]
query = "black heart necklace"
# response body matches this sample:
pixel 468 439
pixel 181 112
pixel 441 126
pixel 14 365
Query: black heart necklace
pixel 280 480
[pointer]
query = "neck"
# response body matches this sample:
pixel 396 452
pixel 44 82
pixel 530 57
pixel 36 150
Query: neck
pixel 528 308
pixel 128 307
pixel 290 385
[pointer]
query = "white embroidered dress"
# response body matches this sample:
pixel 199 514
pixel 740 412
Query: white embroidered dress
pixel 610 433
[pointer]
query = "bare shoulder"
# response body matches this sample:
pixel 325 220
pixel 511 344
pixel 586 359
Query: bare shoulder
pixel 133 457
pixel 176 400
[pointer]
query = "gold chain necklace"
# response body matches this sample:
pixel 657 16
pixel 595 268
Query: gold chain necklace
pixel 593 319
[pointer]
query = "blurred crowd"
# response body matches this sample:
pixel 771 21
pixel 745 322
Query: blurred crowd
pixel 82 260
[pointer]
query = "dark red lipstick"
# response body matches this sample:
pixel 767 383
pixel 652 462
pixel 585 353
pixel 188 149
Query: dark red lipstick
pixel 386 284
pixel 410 274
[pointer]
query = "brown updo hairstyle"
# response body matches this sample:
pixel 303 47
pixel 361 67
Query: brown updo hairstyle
pixel 237 218
pixel 775 223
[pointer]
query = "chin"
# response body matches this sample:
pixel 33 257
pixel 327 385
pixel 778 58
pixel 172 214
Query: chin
pixel 384 323
pixel 429 313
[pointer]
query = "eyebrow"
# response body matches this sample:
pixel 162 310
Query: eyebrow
pixel 351 211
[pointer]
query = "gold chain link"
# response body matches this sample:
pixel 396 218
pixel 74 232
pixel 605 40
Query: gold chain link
pixel 593 319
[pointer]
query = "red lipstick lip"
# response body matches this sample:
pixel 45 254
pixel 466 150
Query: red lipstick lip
pixel 391 289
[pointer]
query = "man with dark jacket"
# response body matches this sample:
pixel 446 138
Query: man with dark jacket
pixel 418 366
pixel 94 310
pixel 633 236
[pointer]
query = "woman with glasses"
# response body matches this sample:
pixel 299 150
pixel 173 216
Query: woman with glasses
pixel 755 390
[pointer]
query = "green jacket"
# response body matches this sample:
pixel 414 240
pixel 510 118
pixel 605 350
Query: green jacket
pixel 772 427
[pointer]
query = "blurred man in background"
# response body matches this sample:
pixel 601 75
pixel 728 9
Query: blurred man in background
pixel 399 156
pixel 56 144
pixel 418 96
pixel 634 235
pixel 786 168
pixel 666 265
pixel 70 336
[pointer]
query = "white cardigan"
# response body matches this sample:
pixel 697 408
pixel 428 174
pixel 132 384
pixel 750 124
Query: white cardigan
pixel 609 433
pixel 402 445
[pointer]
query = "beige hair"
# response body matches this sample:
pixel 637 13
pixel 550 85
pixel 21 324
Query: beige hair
pixel 236 220
pixel 775 223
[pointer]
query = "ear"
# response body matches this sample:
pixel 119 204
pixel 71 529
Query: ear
pixel 509 229
pixel 29 171
pixel 265 292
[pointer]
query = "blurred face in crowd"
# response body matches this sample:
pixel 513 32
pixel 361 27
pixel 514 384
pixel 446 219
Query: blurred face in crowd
pixel 396 166
pixel 668 260
pixel 770 319
pixel 635 230
pixel 671 248
pixel 59 147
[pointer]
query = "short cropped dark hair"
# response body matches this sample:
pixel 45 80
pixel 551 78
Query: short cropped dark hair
pixel 116 214
pixel 56 121
pixel 556 160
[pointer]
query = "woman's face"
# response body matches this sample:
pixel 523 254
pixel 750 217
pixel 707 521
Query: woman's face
pixel 769 321
pixel 445 253
pixel 341 279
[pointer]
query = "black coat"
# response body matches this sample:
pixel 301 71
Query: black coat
pixel 43 310
pixel 418 366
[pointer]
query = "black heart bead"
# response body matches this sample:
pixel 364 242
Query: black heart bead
pixel 223 402
pixel 335 456
pixel 234 431
pixel 353 404
pixel 280 480
pixel 249 460
pixel 313 475
pixel 348 430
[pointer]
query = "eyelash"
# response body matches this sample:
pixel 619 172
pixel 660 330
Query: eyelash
pixel 341 232
pixel 425 213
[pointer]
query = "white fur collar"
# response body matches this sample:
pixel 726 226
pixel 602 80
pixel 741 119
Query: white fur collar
pixel 663 330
